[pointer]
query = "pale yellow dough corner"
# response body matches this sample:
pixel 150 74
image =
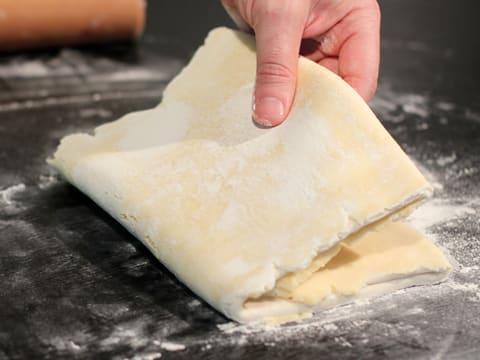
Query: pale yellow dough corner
pixel 383 254
pixel 231 208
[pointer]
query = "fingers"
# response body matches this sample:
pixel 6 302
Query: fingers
pixel 353 38
pixel 278 27
pixel 359 56
pixel 349 44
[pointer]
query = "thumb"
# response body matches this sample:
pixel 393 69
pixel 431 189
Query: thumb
pixel 278 26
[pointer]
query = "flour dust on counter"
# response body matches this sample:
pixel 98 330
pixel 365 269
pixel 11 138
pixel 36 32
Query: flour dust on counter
pixel 72 76
pixel 394 106
pixel 76 63
pixel 16 198
pixel 7 195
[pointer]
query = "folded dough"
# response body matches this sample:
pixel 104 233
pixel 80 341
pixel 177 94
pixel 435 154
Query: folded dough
pixel 259 222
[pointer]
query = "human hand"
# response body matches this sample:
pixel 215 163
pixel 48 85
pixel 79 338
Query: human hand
pixel 342 35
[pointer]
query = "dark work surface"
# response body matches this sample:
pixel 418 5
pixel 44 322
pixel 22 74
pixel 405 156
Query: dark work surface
pixel 74 283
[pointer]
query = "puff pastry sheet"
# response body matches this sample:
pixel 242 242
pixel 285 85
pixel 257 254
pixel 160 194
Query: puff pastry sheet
pixel 247 217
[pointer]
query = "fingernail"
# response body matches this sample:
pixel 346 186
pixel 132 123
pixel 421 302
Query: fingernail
pixel 268 111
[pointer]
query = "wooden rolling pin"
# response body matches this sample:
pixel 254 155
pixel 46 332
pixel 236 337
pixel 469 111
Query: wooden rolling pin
pixel 28 24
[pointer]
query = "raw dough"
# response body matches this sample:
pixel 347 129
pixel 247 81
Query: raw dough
pixel 386 253
pixel 230 208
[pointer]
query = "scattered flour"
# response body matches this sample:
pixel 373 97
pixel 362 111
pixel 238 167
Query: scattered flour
pixel 231 327
pixel 437 211
pixel 98 113
pixel 445 106
pixel 147 356
pixel 63 344
pixel 24 68
pixel 70 62
pixel 330 327
pixel 465 287
pixel 416 108
pixel 445 160
pixel 395 107
pixel 171 346
pixel 7 195
pixel 194 303
pixel 9 205
pixel 130 333
pixel 415 310
pixel 468 269
pixel 46 181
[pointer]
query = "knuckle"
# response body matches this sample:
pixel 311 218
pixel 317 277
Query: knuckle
pixel 274 72
pixel 266 11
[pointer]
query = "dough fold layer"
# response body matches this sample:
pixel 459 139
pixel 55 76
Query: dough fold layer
pixel 389 252
pixel 238 212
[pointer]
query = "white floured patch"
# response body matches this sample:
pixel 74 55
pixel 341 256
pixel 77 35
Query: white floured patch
pixel 171 346
pixel 7 195
pixel 438 211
